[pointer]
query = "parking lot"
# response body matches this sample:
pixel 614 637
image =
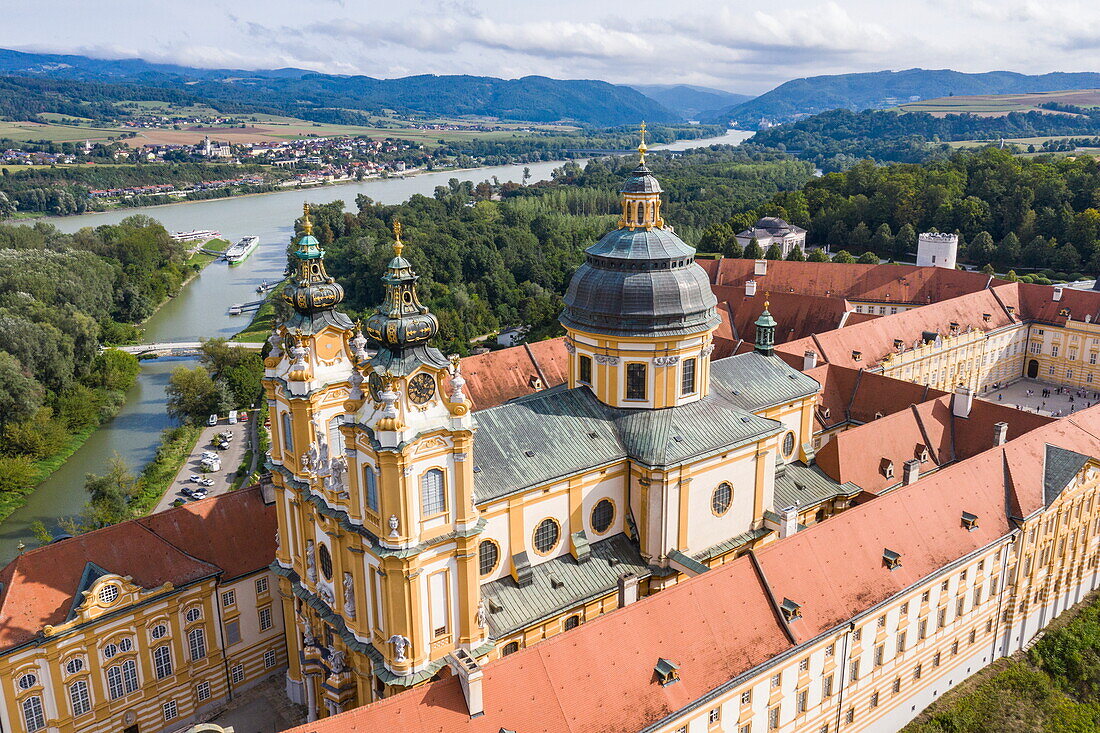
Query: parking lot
pixel 230 461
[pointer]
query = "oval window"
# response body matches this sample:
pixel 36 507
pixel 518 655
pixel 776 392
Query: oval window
pixel 788 444
pixel 487 555
pixel 721 499
pixel 602 515
pixel 325 561
pixel 546 536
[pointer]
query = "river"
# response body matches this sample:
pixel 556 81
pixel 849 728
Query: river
pixel 201 311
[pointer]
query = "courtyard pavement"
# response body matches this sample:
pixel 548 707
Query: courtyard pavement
pixel 1057 405
pixel 264 708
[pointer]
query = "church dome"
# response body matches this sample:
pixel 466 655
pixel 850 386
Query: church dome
pixel 311 290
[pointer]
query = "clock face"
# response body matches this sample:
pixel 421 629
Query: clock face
pixel 421 388
pixel 375 385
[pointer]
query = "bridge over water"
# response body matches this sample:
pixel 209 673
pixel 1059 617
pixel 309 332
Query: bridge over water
pixel 179 348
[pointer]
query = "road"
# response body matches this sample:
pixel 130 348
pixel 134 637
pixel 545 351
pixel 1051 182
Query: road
pixel 231 460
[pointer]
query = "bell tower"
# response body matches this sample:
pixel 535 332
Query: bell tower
pixel 639 313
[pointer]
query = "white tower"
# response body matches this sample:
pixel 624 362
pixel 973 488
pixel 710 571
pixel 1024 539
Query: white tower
pixel 937 250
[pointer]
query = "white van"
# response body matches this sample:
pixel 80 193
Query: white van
pixel 232 417
pixel 212 420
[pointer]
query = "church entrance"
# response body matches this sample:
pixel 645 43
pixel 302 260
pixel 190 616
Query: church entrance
pixel 1033 369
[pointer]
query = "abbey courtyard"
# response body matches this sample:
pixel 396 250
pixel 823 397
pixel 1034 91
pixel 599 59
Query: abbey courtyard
pixel 737 495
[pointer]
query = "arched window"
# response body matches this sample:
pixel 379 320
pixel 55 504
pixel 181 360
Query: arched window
pixel 510 648
pixel 80 699
pixel 324 558
pixel 432 497
pixel 33 716
pixel 721 499
pixel 196 641
pixel 487 556
pixel 162 661
pixel 335 437
pixel 122 679
pixel 370 484
pixel 602 515
pixel 288 434
pixel 572 622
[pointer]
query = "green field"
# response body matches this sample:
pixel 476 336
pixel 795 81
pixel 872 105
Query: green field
pixel 25 131
pixel 996 105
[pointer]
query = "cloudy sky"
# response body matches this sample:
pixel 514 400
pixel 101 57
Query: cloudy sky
pixel 734 45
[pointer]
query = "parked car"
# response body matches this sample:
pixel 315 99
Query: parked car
pixel 206 482
pixel 212 420
pixel 243 416
pixel 232 417
pixel 195 478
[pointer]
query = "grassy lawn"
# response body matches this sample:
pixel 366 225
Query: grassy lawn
pixel 24 131
pixel 263 320
pixel 174 450
pixel 202 259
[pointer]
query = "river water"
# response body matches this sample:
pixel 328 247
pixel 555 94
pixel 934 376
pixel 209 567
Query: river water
pixel 201 311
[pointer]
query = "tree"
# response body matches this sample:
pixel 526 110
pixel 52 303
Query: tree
pixel 754 251
pixel 883 241
pixel 1066 259
pixel 818 255
pixel 796 255
pixel 988 269
pixel 1012 277
pixel 868 258
pixel 982 250
pixel 1037 253
pixel 7 208
pixel 110 494
pixel 844 257
pixel 905 241
pixel 775 252
pixel 1008 251
pixel 732 248
pixel 193 395
pixel 113 370
pixel 526 175
pixel 860 238
pixel 20 394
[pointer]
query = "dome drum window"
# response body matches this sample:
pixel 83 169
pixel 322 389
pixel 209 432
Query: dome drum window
pixel 546 536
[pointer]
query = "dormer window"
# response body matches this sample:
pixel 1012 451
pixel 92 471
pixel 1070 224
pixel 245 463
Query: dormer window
pixel 791 611
pixel 921 453
pixel 987 317
pixel 969 521
pixel 825 412
pixel 899 344
pixel 886 466
pixel 891 559
pixel 667 671
pixel 1064 312
pixel 857 355
pixel 534 382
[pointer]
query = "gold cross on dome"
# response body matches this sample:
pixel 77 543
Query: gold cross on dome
pixel 642 147
pixel 398 245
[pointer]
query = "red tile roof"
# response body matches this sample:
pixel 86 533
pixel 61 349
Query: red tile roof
pixel 179 546
pixel 600 676
pixel 798 315
pixel 860 396
pixel 496 377
pixel 880 283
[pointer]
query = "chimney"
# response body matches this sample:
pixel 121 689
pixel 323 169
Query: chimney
pixel 761 267
pixel 470 677
pixel 809 360
pixel 628 589
pixel 789 523
pixel 750 288
pixel 1000 433
pixel 1057 293
pixel 910 472
pixel 964 400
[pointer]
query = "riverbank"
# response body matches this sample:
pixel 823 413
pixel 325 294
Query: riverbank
pixel 176 446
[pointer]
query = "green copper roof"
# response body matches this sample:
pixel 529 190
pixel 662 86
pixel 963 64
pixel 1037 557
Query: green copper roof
pixel 309 248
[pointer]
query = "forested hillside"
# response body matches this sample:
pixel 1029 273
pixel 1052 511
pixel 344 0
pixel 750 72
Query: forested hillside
pixel 837 139
pixel 1012 212
pixel 488 264
pixel 61 296
pixel 880 89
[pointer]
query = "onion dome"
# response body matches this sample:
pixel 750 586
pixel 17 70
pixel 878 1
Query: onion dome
pixel 640 279
pixel 311 290
pixel 765 331
pixel 402 325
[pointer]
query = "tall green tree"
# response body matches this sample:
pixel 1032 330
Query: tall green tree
pixel 193 395
pixel 110 494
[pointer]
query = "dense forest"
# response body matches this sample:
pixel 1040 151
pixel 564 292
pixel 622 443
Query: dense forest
pixel 1054 687
pixel 837 139
pixel 486 264
pixel 61 296
pixel 1039 213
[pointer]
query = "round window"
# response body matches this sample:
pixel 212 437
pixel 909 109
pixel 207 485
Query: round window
pixel 602 515
pixel 721 499
pixel 546 536
pixel 159 631
pixel 74 665
pixel 110 650
pixel 326 561
pixel 788 444
pixel 193 614
pixel 108 594
pixel 125 645
pixel 487 555
pixel 27 681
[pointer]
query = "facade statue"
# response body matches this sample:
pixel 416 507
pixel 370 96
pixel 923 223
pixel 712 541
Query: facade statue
pixel 325 595
pixel 311 562
pixel 400 646
pixel 482 615
pixel 335 660
pixel 349 596
pixel 393 526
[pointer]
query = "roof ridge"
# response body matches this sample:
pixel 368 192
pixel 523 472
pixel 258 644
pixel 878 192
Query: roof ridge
pixel 771 597
pixel 927 440
pixel 852 397
pixel 538 367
